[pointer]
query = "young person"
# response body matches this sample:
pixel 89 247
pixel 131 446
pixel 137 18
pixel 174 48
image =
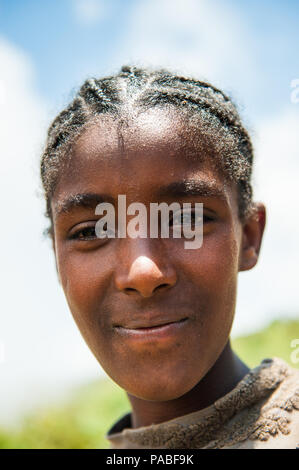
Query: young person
pixel 158 316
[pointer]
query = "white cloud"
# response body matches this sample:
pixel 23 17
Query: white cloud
pixel 44 352
pixel 43 349
pixel 209 40
pixel 196 37
pixel 89 12
pixel 271 288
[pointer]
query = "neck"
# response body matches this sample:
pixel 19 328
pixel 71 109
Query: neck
pixel 227 371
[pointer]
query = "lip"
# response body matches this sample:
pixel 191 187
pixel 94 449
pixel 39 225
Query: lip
pixel 159 332
pixel 150 320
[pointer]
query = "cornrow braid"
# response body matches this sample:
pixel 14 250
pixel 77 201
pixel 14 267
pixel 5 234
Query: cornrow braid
pixel 145 89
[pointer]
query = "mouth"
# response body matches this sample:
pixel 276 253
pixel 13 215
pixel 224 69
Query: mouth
pixel 157 330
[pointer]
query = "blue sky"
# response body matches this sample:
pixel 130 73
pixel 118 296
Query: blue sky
pixel 64 49
pixel 47 48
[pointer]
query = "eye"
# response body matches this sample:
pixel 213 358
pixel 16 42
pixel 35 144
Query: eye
pixel 187 222
pixel 182 218
pixel 85 233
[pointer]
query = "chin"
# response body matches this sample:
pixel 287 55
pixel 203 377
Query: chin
pixel 161 392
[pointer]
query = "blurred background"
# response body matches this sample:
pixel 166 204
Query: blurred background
pixel 53 392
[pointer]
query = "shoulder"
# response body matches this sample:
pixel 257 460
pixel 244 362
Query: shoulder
pixel 272 421
pixel 261 411
pixel 278 423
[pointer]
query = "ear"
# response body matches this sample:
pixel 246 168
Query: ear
pixel 252 234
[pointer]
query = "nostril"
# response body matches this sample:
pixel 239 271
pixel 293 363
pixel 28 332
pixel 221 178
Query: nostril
pixel 130 289
pixel 161 286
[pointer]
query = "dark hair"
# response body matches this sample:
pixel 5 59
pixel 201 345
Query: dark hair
pixel 145 89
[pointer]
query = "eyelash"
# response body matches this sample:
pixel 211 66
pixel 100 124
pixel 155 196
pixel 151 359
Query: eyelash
pixel 76 235
pixel 206 218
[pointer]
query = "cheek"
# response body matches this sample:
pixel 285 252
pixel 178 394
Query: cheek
pixel 84 277
pixel 207 285
pixel 214 266
pixel 213 271
pixel 211 275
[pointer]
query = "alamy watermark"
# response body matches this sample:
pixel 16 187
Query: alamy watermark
pixel 294 356
pixel 295 91
pixel 186 221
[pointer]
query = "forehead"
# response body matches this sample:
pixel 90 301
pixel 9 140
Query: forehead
pixel 139 154
pixel 155 131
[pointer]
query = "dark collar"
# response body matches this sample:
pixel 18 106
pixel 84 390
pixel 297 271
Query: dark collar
pixel 122 423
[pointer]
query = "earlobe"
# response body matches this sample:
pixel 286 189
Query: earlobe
pixel 252 235
pixel 249 259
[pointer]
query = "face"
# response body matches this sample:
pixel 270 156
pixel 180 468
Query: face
pixel 118 288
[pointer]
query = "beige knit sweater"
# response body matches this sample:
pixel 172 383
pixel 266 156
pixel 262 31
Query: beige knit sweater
pixel 262 411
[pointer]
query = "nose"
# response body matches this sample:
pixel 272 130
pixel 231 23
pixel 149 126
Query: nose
pixel 144 274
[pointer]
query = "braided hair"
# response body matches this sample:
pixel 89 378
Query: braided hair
pixel 139 88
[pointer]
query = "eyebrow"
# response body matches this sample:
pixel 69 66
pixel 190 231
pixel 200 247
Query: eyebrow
pixel 88 200
pixel 177 189
pixel 193 187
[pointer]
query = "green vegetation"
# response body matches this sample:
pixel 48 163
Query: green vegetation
pixel 83 420
pixel 274 341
